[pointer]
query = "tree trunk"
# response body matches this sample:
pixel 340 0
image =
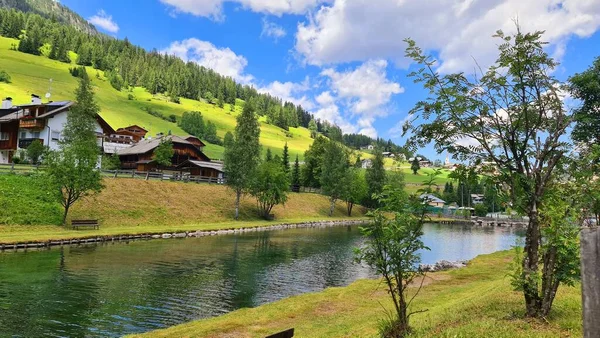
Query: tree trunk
pixel 331 208
pixel 238 193
pixel 64 220
pixel 530 264
pixel 350 205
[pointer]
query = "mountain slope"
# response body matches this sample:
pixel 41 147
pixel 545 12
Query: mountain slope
pixel 51 9
pixel 31 74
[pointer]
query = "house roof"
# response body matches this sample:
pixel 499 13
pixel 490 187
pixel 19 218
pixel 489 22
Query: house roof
pixel 195 138
pixel 201 164
pixel 432 199
pixel 145 146
pixel 53 109
pixel 133 126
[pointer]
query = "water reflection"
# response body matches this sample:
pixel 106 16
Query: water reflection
pixel 114 289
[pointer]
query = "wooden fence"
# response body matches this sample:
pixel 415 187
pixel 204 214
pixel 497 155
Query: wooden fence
pixel 590 281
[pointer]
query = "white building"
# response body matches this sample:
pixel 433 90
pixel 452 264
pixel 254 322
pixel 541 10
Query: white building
pixel 21 125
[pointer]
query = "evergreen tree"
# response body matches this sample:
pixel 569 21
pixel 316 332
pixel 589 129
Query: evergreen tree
pixel 335 165
pixel 415 165
pixel 163 154
pixel 285 160
pixel 312 126
pixel 296 173
pixel 268 155
pixel 242 153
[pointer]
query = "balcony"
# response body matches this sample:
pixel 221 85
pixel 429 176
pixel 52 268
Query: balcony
pixel 25 142
pixel 31 123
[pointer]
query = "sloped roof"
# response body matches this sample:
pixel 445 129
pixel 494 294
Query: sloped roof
pixel 202 164
pixel 147 145
pixel 432 199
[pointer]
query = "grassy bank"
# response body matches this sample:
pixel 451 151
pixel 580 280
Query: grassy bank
pixel 132 206
pixel 476 301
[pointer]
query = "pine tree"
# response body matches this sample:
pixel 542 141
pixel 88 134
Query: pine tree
pixel 375 177
pixel 285 160
pixel 268 155
pixel 296 173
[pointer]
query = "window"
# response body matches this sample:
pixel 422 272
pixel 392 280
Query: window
pixel 4 136
pixel 36 134
pixel 23 134
pixel 55 135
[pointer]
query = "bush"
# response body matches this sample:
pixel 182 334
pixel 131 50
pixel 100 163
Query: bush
pixel 480 210
pixel 4 77
pixel 130 97
pixel 172 118
pixel 77 71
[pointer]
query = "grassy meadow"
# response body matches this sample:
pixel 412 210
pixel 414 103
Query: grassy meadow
pixel 133 206
pixel 31 74
pixel 476 301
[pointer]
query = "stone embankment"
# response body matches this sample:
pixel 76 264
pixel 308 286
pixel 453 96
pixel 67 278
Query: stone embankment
pixel 443 265
pixel 177 234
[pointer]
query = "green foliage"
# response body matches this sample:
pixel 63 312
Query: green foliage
pixel 72 169
pixel 268 155
pixel 415 165
pixel 155 113
pixel 313 161
pixel 333 174
pixel 355 188
pixel 35 151
pixel 296 173
pixel 392 248
pixel 312 126
pixel 242 153
pixel 285 159
pixel 514 116
pixel 115 80
pixel 481 210
pixel 4 76
pixel 77 71
pixel 585 86
pixel 111 162
pixel 270 186
pixel 375 177
pixel 163 154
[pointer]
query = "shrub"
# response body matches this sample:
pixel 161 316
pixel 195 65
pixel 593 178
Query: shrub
pixel 130 97
pixel 4 77
pixel 480 210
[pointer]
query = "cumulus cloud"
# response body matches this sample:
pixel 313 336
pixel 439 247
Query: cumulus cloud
pixel 458 31
pixel 291 92
pixel 104 21
pixel 272 30
pixel 329 111
pixel 214 8
pixel 222 60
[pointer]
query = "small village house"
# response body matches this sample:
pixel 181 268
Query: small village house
pixel 23 124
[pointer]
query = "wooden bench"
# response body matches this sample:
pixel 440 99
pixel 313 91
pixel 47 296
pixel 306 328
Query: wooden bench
pixel 85 223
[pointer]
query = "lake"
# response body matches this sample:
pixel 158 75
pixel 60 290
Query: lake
pixel 109 290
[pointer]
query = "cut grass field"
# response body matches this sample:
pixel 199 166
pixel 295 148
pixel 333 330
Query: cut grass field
pixel 476 301
pixel 134 206
pixel 31 74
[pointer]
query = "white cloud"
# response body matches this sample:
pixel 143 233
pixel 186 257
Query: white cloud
pixel 272 30
pixel 397 130
pixel 214 8
pixel 104 21
pixel 330 111
pixel 360 30
pixel 366 88
pixel 222 60
pixel 291 92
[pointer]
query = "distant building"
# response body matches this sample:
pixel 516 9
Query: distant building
pixel 23 124
pixel 366 164
pixel 477 198
pixel 433 200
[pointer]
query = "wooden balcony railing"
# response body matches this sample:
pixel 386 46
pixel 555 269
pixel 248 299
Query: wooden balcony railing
pixel 31 124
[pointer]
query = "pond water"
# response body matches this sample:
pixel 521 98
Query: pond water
pixel 113 289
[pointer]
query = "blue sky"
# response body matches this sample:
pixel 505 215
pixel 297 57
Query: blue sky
pixel 343 59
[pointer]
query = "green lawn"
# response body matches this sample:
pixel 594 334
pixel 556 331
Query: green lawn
pixel 31 74
pixel 476 301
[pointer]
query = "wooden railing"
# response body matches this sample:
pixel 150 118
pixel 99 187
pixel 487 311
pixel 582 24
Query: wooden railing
pixel 31 123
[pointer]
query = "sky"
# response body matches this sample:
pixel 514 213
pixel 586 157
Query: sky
pixel 344 60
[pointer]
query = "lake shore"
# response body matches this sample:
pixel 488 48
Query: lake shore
pixel 475 301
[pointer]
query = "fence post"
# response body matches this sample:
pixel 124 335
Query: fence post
pixel 147 175
pixel 132 173
pixel 12 167
pixel 590 281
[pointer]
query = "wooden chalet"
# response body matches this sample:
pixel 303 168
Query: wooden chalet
pixel 202 168
pixel 195 141
pixel 135 132
pixel 140 156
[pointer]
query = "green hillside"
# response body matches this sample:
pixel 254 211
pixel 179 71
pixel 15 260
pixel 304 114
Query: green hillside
pixel 51 9
pixel 31 74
